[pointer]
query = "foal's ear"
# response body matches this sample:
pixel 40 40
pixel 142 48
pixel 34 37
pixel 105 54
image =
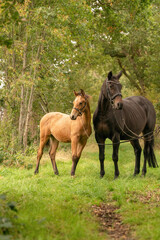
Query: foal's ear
pixel 119 74
pixel 110 75
pixel 82 92
pixel 75 93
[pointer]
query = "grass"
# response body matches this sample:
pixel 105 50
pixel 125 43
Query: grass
pixel 59 207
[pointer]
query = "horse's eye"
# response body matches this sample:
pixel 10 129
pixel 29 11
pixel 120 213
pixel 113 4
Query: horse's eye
pixel 111 86
pixel 80 103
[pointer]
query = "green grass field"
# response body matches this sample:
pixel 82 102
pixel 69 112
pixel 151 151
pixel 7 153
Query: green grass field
pixel 60 207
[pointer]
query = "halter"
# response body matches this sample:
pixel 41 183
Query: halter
pixel 80 110
pixel 111 98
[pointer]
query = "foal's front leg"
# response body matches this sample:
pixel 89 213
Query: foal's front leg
pixel 116 143
pixel 77 148
pixel 75 158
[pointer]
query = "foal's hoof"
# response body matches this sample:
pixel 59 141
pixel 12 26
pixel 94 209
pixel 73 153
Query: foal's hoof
pixel 36 172
pixel 73 176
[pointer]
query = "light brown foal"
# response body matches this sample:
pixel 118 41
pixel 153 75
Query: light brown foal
pixel 60 127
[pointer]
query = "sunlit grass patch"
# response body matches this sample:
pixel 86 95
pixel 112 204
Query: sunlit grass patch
pixel 59 207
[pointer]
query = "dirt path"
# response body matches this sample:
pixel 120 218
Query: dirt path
pixel 111 222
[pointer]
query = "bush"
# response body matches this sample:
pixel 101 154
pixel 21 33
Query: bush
pixel 7 215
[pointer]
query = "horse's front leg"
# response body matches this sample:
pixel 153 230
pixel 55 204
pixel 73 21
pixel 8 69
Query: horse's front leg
pixel 116 143
pixel 101 145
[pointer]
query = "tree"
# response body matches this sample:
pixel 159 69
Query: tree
pixel 125 32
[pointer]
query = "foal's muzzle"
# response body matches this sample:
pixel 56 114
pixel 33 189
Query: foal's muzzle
pixel 74 114
pixel 73 117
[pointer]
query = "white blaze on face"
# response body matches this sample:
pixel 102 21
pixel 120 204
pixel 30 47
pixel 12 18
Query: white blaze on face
pixel 77 106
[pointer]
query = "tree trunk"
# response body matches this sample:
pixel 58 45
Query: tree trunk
pixel 30 103
pixel 22 106
pixel 21 118
pixel 29 110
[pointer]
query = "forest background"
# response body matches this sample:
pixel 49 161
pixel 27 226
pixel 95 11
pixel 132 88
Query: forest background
pixel 50 48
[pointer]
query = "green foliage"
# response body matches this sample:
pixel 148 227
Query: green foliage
pixel 7 217
pixel 60 46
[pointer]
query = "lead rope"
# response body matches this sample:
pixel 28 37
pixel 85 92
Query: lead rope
pixel 157 131
pixel 137 136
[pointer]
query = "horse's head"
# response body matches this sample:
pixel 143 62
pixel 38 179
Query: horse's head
pixel 79 104
pixel 114 87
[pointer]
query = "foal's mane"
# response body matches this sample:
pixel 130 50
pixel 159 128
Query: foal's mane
pixel 86 96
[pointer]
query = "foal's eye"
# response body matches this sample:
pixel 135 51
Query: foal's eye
pixel 80 103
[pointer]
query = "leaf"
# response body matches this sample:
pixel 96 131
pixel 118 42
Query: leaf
pixel 6 237
pixel 3 196
pixel 6 225
pixel 12 206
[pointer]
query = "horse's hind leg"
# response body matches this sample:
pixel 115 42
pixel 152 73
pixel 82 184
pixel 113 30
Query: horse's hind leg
pixel 137 151
pixel 149 154
pixel 145 153
pixel 43 141
pixel 52 153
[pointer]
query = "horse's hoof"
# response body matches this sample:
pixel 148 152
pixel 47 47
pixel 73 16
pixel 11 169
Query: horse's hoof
pixel 101 176
pixel 143 175
pixel 56 173
pixel 135 174
pixel 115 177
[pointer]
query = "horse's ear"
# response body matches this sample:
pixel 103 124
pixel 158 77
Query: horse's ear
pixel 110 75
pixel 75 93
pixel 119 74
pixel 82 92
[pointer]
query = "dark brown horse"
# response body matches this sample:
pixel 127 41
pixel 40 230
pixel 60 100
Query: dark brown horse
pixel 125 119
pixel 60 127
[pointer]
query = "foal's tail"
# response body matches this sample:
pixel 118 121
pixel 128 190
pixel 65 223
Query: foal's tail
pixel 150 156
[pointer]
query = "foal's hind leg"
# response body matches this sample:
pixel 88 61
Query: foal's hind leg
pixel 52 153
pixel 43 141
pixel 137 151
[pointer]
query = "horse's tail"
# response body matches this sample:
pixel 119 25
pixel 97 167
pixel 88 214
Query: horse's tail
pixel 152 162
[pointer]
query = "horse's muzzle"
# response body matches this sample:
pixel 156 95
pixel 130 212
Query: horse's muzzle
pixel 119 105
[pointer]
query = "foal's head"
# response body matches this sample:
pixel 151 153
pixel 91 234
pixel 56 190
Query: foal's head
pixel 79 104
pixel 113 92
